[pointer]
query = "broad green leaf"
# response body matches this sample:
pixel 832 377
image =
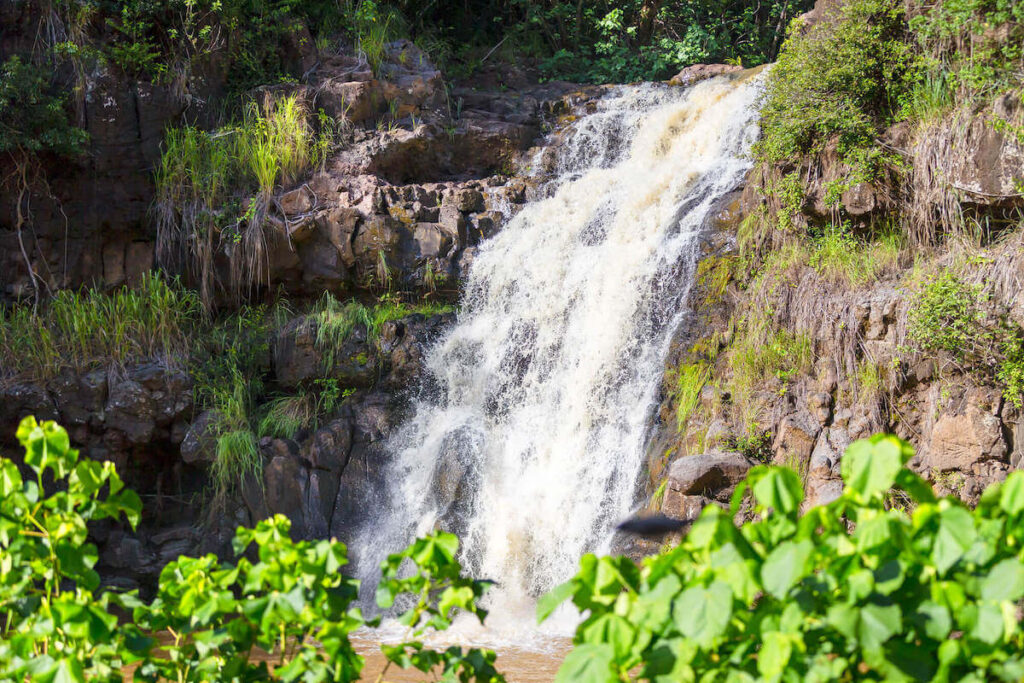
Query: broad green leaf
pixel 954 537
pixel 10 479
pixel 550 601
pixel 1011 497
pixel 870 466
pixel 653 608
pixel 588 663
pixel 780 489
pixel 877 624
pixel 1005 581
pixel 934 620
pixel 703 613
pixel 984 622
pixel 785 566
pixel 773 658
pixel 613 630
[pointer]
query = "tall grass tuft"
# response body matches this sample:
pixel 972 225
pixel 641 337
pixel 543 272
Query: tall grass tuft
pixel 237 452
pixel 286 416
pixel 213 191
pixel 90 329
pixel 839 256
pixel 690 380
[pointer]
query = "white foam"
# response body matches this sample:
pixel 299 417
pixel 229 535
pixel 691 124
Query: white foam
pixel 542 392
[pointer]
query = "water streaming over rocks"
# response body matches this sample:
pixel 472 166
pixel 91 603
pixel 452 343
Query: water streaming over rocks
pixel 529 434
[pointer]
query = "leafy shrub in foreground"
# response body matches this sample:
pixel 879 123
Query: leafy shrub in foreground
pixel 53 626
pixel 285 615
pixel 930 594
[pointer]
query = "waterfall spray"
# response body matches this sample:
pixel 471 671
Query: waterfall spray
pixel 529 440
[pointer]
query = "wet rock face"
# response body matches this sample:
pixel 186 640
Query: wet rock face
pixel 90 223
pixel 699 72
pixel 112 415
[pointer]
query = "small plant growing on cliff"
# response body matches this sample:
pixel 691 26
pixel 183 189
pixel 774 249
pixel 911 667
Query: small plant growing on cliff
pixel 946 316
pixel 1011 370
pixel 930 595
pixel 214 193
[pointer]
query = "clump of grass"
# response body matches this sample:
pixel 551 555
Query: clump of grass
pixel 690 380
pixel 286 416
pixel 868 380
pixel 336 320
pixel 839 256
pixel 214 191
pixel 91 329
pixel 274 142
pixel 931 97
pixel 237 452
pixel 760 354
pixel 376 25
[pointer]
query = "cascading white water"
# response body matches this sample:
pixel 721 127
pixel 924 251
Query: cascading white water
pixel 529 436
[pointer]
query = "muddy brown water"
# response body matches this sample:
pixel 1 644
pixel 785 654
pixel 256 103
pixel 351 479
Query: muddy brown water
pixel 518 664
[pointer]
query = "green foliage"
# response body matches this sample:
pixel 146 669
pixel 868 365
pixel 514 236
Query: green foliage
pixel 788 194
pixel 33 114
pixel 1011 369
pixel 91 329
pixel 754 445
pixel 375 25
pixel 335 320
pixel 292 602
pixel 839 256
pixel 604 41
pixel 213 191
pixel 286 599
pixel 287 415
pixel 162 41
pixel 793 598
pixel 946 316
pixel 842 80
pixel 434 592
pixel 761 352
pixel 690 379
pixel 868 380
pixel 54 626
pixel 971 49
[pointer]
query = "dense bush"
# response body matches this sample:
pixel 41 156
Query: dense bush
pixel 926 593
pixel 288 601
pixel 946 315
pixel 843 80
pixel 33 114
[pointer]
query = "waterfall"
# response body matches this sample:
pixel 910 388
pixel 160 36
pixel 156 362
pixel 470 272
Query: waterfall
pixel 529 435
